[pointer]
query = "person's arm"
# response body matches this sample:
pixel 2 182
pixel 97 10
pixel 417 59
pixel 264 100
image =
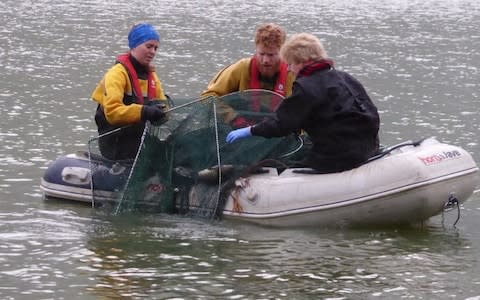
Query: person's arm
pixel 115 84
pixel 230 79
pixel 289 118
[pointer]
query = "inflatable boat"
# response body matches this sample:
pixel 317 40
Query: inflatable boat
pixel 69 177
pixel 406 183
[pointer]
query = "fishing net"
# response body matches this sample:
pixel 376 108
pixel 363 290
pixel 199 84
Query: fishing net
pixel 185 165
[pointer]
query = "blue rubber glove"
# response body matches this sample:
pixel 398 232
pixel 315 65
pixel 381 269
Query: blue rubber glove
pixel 238 134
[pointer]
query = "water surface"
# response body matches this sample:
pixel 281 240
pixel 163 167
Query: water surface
pixel 419 61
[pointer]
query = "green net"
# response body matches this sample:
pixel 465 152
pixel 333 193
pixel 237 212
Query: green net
pixel 185 166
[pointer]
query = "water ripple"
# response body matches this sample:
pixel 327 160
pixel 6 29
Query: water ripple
pixel 418 59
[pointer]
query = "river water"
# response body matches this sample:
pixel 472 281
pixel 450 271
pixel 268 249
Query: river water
pixel 419 61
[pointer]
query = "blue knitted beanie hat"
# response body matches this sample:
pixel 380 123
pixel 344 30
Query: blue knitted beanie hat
pixel 141 33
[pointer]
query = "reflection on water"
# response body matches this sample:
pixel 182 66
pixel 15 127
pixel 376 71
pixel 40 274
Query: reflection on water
pixel 75 251
pixel 174 258
pixel 38 252
pixel 418 59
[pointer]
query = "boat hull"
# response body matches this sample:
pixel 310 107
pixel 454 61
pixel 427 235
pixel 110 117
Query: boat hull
pixel 69 177
pixel 408 185
pixel 411 185
pixel 403 207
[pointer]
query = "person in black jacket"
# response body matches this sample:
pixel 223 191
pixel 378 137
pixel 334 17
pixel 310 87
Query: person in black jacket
pixel 331 106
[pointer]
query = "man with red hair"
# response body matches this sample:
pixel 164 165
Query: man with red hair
pixel 264 70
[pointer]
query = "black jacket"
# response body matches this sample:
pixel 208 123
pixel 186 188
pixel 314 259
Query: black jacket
pixel 337 114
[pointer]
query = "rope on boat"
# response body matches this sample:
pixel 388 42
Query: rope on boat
pixel 449 205
pixel 390 149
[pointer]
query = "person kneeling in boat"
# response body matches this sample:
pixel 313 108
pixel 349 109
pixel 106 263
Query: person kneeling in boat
pixel 130 94
pixel 330 105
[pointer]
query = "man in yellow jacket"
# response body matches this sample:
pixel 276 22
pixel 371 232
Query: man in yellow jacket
pixel 130 94
pixel 264 70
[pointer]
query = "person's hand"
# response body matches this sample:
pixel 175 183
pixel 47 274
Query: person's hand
pixel 154 114
pixel 238 134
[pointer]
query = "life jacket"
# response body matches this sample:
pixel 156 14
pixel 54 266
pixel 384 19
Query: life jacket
pixel 124 59
pixel 279 88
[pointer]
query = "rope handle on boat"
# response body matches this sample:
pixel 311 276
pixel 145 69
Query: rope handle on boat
pixel 449 205
pixel 388 150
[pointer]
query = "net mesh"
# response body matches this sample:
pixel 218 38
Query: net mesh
pixel 185 165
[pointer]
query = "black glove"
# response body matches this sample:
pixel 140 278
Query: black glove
pixel 154 113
